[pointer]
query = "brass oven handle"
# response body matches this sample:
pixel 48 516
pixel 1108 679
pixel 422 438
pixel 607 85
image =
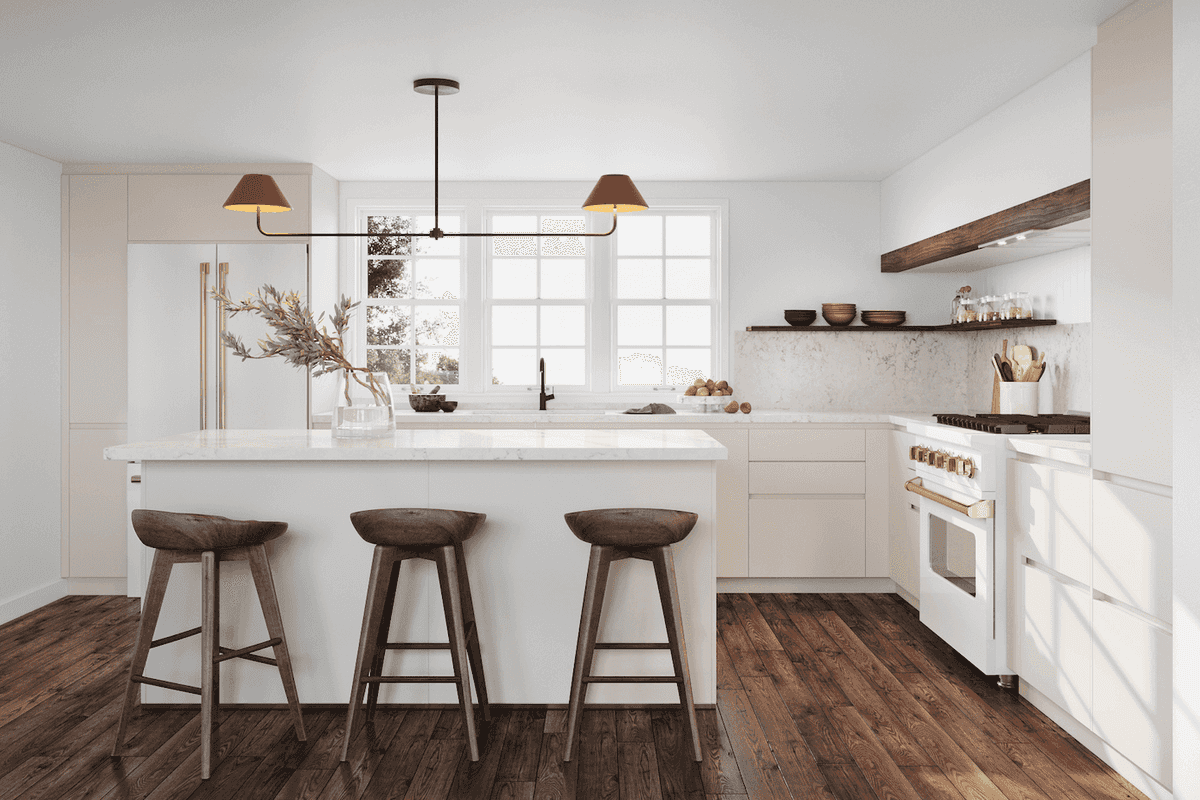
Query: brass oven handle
pixel 983 509
pixel 203 345
pixel 222 271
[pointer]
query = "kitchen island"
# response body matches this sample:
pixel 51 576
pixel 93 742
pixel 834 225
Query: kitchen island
pixel 527 570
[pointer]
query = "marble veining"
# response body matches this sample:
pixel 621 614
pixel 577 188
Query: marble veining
pixel 520 444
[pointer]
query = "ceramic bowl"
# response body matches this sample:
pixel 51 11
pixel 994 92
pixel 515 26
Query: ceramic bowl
pixel 802 317
pixel 838 317
pixel 448 405
pixel 426 402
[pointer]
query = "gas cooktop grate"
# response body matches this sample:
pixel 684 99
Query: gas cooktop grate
pixel 1018 423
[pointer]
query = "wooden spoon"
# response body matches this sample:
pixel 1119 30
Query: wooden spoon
pixel 1022 359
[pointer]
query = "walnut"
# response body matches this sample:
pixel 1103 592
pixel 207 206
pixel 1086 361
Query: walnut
pixel 732 407
pixel 702 392
pixel 690 391
pixel 722 384
pixel 699 382
pixel 745 408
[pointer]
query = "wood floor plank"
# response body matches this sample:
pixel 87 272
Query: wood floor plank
pixel 513 790
pixel 304 784
pixel 881 773
pixel 719 772
pixel 185 778
pixel 678 773
pixel 931 783
pixel 811 665
pixel 367 749
pixel 436 770
pixel 597 755
pixel 846 782
pixel 737 643
pixel 633 725
pixel 860 614
pixel 395 772
pixel 282 752
pixel 522 746
pixel 796 763
pixel 727 677
pixel 756 627
pixel 475 780
pixel 637 768
pixel 556 720
pixel 806 711
pixel 756 763
pixel 557 779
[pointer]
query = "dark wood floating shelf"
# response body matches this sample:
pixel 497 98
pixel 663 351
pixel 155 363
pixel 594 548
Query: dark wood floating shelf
pixel 963 327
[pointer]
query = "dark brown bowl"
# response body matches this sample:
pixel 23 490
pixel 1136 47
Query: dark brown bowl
pixel 426 402
pixel 448 405
pixel 800 317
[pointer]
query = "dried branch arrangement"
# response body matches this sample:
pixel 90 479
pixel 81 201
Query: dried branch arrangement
pixel 300 338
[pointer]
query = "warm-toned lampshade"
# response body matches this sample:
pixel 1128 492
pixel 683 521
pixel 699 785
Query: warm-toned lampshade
pixel 257 193
pixel 615 193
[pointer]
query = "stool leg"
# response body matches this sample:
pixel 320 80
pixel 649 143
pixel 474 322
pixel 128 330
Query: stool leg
pixel 473 652
pixel 381 640
pixel 447 566
pixel 585 648
pixel 668 593
pixel 160 573
pixel 210 669
pixel 260 569
pixel 376 588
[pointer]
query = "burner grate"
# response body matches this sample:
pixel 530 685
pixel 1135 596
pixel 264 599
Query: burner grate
pixel 1018 423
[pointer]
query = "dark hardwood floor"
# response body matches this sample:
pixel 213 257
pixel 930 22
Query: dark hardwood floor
pixel 819 696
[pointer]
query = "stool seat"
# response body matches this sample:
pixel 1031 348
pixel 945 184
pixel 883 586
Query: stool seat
pixel 167 530
pixel 415 528
pixel 631 528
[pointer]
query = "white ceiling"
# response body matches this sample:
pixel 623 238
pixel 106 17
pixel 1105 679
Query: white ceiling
pixel 551 89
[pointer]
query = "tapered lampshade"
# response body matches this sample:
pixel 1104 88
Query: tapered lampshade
pixel 258 193
pixel 613 193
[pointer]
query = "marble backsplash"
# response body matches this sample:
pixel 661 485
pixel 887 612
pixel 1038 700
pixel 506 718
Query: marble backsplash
pixel 859 370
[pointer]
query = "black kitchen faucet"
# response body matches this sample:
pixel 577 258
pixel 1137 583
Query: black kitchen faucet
pixel 542 396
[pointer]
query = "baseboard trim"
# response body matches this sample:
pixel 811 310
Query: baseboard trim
pixel 342 706
pixel 911 599
pixel 22 604
pixel 1084 735
pixel 806 585
pixel 95 585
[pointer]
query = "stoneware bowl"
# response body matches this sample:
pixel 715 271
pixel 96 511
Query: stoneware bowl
pixel 448 405
pixel 426 402
pixel 800 317
pixel 838 316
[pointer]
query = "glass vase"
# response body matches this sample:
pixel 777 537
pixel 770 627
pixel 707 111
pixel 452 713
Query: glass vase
pixel 364 406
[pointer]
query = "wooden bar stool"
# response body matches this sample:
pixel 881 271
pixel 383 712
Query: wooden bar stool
pixel 436 535
pixel 616 534
pixel 188 538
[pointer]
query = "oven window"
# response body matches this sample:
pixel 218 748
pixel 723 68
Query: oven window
pixel 952 553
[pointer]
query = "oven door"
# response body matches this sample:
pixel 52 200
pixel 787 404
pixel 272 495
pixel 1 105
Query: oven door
pixel 959 573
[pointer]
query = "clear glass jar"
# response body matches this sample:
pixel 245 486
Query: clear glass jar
pixel 1006 307
pixel 956 305
pixel 967 311
pixel 1022 306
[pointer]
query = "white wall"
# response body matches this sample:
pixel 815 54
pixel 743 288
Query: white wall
pixel 1059 284
pixel 30 405
pixel 1186 392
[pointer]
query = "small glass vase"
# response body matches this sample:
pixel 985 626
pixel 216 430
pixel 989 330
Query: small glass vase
pixel 364 406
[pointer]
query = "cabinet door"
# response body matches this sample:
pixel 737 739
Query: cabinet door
pixel 188 208
pixel 1131 709
pixel 97 503
pixel 1131 536
pixel 807 538
pixel 904 519
pixel 808 445
pixel 733 543
pixel 1056 641
pixel 1050 514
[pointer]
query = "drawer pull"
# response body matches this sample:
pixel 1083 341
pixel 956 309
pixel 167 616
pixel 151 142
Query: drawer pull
pixel 983 509
pixel 135 479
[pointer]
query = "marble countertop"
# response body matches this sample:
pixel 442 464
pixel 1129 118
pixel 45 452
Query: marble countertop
pixel 564 416
pixel 1074 450
pixel 441 444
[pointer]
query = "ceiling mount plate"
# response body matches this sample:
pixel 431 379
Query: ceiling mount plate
pixel 441 86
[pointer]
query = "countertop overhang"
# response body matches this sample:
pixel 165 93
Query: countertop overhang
pixel 441 444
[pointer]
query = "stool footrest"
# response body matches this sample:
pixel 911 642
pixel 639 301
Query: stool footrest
pixel 633 645
pixel 226 653
pixel 409 679
pixel 632 679
pixel 417 646
pixel 174 638
pixel 179 687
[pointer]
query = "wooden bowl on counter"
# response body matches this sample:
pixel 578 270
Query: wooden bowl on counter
pixel 800 317
pixel 838 314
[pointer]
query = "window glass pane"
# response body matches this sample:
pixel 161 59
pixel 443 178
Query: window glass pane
pixel 514 367
pixel 393 362
pixel 514 278
pixel 563 279
pixel 639 279
pixel 562 325
pixel 514 245
pixel 436 366
pixel 639 235
pixel 390 244
pixel 639 325
pixel 425 246
pixel 437 279
pixel 388 325
pixel 389 277
pixel 565 367
pixel 639 367
pixel 689 278
pixel 566 245
pixel 689 236
pixel 514 325
pixel 437 325
pixel 685 366
pixel 689 325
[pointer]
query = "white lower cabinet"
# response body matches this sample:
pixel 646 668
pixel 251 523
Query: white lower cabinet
pixel 1056 641
pixel 807 538
pixel 1131 687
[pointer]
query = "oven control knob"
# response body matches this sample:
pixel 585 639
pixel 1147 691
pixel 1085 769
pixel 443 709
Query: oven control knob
pixel 914 453
pixel 966 468
pixel 938 460
pixel 952 464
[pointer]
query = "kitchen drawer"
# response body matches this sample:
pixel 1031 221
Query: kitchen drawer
pixel 814 445
pixel 810 477
pixel 1131 688
pixel 807 538
pixel 1056 641
pixel 1131 538
pixel 1050 514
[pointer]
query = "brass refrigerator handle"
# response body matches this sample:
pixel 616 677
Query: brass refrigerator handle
pixel 204 344
pixel 983 509
pixel 222 271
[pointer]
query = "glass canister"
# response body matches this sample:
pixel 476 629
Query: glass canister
pixel 967 311
pixel 983 307
pixel 956 305
pixel 1006 306
pixel 1022 306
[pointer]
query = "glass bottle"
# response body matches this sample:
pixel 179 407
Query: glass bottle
pixel 956 305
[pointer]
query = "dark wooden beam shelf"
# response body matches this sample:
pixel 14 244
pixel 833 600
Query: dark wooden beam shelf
pixel 961 327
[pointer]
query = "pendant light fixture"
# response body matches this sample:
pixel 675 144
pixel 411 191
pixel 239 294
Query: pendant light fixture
pixel 613 194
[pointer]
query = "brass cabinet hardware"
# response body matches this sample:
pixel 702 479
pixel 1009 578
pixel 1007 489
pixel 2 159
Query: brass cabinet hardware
pixel 203 345
pixel 982 509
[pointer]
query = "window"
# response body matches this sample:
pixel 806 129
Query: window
pixel 537 300
pixel 414 301
pixel 631 314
